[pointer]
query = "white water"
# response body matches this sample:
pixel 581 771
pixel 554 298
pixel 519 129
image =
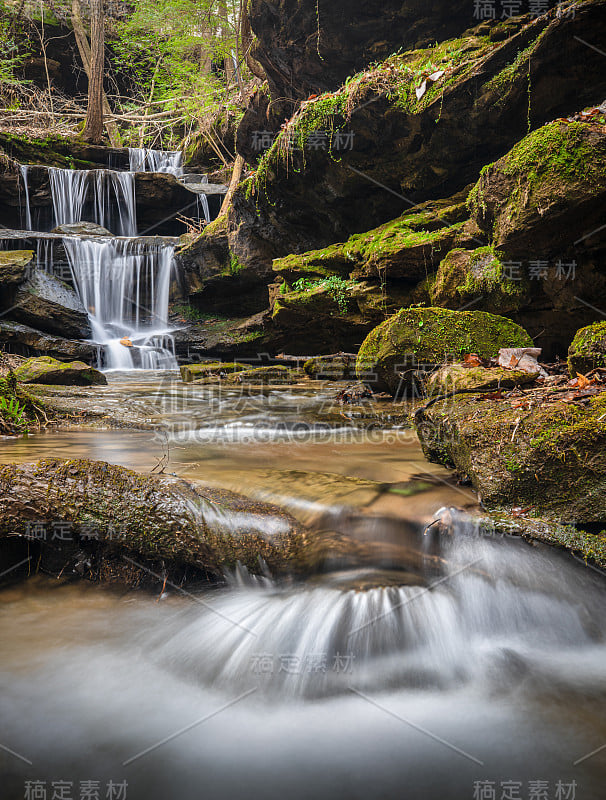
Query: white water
pixel 143 159
pixel 23 168
pixel 112 196
pixel 124 284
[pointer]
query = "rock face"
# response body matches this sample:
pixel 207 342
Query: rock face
pixel 588 349
pixel 415 339
pixel 47 370
pixel 46 303
pixel 411 143
pixel 552 459
pixel 28 341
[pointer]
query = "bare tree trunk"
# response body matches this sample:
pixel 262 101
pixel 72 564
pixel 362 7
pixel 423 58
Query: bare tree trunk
pixel 85 54
pixel 246 39
pixel 93 128
pixel 235 180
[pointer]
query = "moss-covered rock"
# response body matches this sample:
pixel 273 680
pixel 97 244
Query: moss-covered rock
pixel 588 349
pixel 419 337
pixel 47 370
pixel 465 275
pixel 209 369
pixel 265 375
pixel 456 377
pixel 13 267
pixel 552 458
pixel 547 192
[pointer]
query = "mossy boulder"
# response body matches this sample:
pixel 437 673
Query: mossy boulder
pixel 209 369
pixel 416 338
pixel 465 275
pixel 457 377
pixel 13 267
pixel 547 192
pixel 50 371
pixel 551 459
pixel 588 349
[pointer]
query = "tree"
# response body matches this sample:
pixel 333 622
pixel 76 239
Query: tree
pixel 93 128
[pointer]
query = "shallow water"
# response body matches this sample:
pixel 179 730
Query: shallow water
pixel 496 672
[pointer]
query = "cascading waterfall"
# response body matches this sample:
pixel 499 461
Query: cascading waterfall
pixel 144 159
pixel 23 168
pixel 113 198
pixel 124 284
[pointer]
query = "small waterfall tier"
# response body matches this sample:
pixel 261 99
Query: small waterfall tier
pixel 124 284
pixel 103 196
pixel 143 159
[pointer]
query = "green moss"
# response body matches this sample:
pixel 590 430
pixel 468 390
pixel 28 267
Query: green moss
pixel 207 369
pixel 588 349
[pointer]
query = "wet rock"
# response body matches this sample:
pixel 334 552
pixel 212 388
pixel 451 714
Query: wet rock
pixel 419 338
pixel 82 229
pixel 209 369
pixel 13 267
pixel 47 370
pixel 139 529
pixel 266 375
pixel 337 367
pixel 46 303
pixel 550 459
pixel 588 349
pixel 28 341
pixel 457 377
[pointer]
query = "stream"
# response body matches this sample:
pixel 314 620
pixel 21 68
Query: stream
pixel 356 683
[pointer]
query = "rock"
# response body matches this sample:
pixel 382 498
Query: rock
pixel 47 303
pixel 546 193
pixel 521 358
pixel 115 517
pixel 338 367
pixel 209 369
pixel 50 371
pixel 275 374
pixel 466 275
pixel 27 341
pixel 302 198
pixel 13 267
pixel 588 349
pixel 82 229
pixel 418 338
pixel 455 377
pixel 551 459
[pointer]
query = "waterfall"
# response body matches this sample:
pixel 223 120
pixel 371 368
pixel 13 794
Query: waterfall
pixel 113 198
pixel 143 159
pixel 124 284
pixel 23 168
pixel 202 207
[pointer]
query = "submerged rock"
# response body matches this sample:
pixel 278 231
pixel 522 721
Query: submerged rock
pixel 416 339
pixel 588 349
pixel 52 372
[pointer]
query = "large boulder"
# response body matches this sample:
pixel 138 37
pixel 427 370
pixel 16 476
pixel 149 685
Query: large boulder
pixel 51 372
pixel 416 339
pixel 47 303
pixel 547 192
pixel 588 349
pixel 549 457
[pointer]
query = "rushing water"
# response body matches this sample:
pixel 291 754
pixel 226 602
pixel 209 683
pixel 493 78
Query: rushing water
pixel 145 159
pixel 353 684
